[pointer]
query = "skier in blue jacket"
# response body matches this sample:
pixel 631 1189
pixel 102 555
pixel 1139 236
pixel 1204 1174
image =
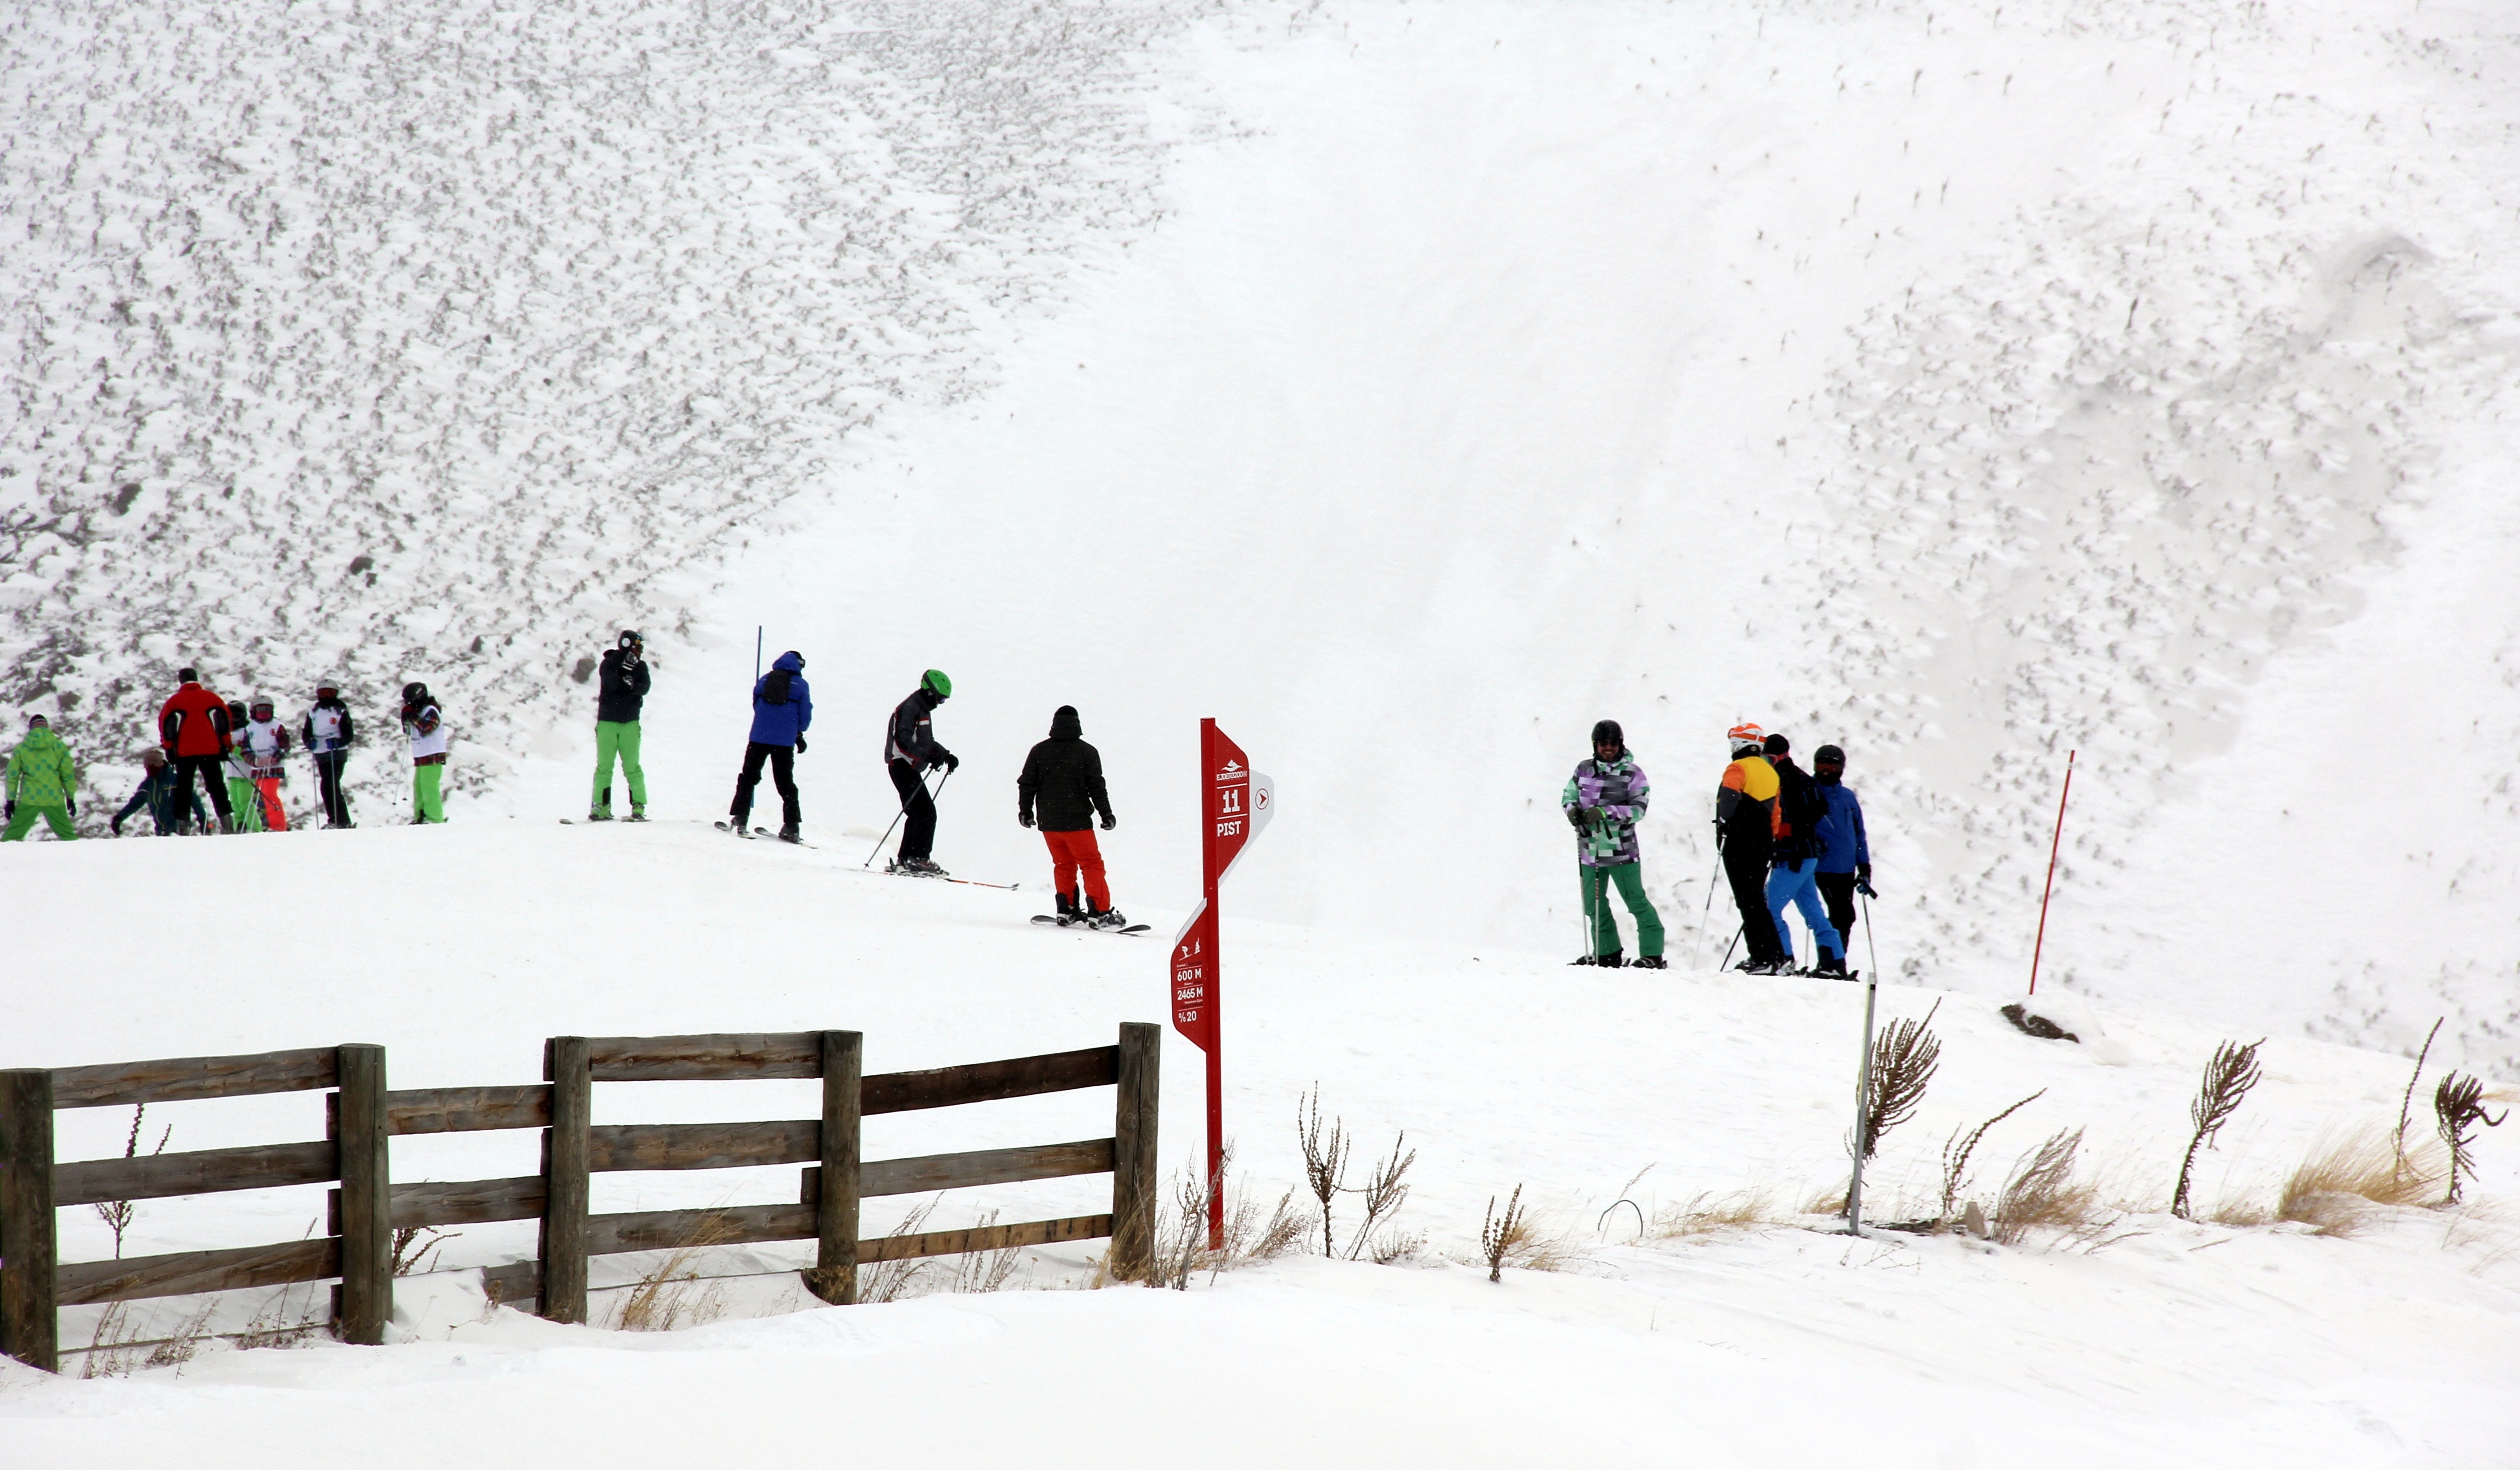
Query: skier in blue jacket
pixel 1845 857
pixel 783 711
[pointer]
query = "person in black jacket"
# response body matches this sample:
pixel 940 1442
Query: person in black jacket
pixel 326 732
pixel 1061 789
pixel 910 749
pixel 620 684
pixel 1795 858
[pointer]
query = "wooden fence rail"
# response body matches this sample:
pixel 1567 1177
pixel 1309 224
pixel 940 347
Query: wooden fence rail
pixel 366 1206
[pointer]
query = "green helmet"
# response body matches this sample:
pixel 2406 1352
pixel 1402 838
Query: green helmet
pixel 935 683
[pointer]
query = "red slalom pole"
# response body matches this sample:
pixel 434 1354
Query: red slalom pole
pixel 2041 942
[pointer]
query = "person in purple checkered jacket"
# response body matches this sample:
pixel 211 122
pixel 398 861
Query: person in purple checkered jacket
pixel 1604 800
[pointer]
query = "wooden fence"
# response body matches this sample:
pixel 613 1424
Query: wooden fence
pixel 367 1207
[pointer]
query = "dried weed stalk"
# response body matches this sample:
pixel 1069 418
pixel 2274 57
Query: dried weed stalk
pixel 1253 1233
pixel 2044 1195
pixel 2406 1100
pixel 2228 1077
pixel 411 1243
pixel 1501 1236
pixel 118 1213
pixel 2458 1105
pixel 1384 1192
pixel 111 1353
pixel 1957 1148
pixel 1324 1161
pixel 983 1270
pixel 1903 1063
pixel 892 1280
pixel 671 1296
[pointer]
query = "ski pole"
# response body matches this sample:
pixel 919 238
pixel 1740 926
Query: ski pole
pixel 903 812
pixel 1698 951
pixel 2040 942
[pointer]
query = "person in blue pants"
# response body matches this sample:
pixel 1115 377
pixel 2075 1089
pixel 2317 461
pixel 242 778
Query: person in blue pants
pixel 1795 860
pixel 1845 852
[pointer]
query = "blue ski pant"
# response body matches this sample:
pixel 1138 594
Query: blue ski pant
pixel 1795 883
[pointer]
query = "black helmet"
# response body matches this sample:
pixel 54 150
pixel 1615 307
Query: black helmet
pixel 415 693
pixel 630 640
pixel 1829 754
pixel 1607 732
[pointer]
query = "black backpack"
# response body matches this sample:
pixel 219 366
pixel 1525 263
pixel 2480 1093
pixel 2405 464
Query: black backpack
pixel 773 686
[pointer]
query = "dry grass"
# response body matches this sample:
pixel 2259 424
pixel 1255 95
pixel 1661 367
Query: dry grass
pixel 1958 1149
pixel 1709 1213
pixel 418 1249
pixel 2044 1195
pixel 114 1352
pixel 672 1295
pixel 2346 1175
pixel 1254 1231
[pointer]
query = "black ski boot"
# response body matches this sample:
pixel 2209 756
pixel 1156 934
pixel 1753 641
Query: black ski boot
pixel 1614 960
pixel 1831 965
pixel 1652 962
pixel 790 834
pixel 1068 912
pixel 1105 918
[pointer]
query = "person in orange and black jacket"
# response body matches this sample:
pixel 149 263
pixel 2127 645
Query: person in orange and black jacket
pixel 1745 809
pixel 1800 810
pixel 195 731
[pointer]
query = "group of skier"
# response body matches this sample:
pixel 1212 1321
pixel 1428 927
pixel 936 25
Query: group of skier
pixel 238 749
pixel 1787 839
pixel 1061 790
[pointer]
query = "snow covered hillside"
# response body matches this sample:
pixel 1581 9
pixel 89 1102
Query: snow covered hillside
pixel 460 947
pixel 1405 384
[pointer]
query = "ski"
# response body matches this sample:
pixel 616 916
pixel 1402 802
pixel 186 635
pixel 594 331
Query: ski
pixel 732 827
pixel 793 842
pixel 1053 919
pixel 895 870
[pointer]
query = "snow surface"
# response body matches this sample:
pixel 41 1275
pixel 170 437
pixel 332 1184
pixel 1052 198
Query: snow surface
pixel 2175 1344
pixel 1405 385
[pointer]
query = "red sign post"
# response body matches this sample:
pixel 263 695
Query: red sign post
pixel 1234 803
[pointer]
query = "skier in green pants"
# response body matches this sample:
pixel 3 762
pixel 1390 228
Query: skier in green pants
pixel 619 687
pixel 426 726
pixel 1604 800
pixel 43 781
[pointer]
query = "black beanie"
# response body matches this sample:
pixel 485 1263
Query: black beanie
pixel 1778 745
pixel 1606 732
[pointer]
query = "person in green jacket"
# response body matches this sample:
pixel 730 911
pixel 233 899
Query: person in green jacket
pixel 43 780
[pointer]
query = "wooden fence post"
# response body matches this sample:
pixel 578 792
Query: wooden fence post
pixel 834 1277
pixel 29 1325
pixel 566 1157
pixel 1135 1163
pixel 367 1211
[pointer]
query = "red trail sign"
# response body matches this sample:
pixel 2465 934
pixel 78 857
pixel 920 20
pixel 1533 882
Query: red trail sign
pixel 1236 802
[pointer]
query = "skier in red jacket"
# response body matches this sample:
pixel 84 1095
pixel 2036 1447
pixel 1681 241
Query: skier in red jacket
pixel 193 729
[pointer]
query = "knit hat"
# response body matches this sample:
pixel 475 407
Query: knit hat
pixel 1776 745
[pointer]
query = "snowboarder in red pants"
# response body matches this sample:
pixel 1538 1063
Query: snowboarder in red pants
pixel 1061 789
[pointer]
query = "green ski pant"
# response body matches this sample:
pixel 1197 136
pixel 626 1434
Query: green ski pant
pixel 1631 881
pixel 618 737
pixel 24 822
pixel 425 806
pixel 244 805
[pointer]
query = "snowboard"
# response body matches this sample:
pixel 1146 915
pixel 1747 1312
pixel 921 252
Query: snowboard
pixel 1053 919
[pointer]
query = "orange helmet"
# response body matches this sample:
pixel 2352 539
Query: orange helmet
pixel 1745 734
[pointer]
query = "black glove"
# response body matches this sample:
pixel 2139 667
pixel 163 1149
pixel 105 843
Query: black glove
pixel 1864 880
pixel 1109 821
pixel 12 812
pixel 1575 817
pixel 116 825
pixel 801 743
pixel 948 760
pixel 1024 817
pixel 70 805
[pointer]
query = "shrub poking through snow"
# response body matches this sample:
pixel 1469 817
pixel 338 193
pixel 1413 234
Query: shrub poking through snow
pixel 1955 1156
pixel 1251 1235
pixel 419 1247
pixel 2228 1077
pixel 2406 1100
pixel 1903 1063
pixel 2042 1195
pixel 1324 1161
pixel 1502 1236
pixel 1385 1193
pixel 2458 1105
pixel 116 1213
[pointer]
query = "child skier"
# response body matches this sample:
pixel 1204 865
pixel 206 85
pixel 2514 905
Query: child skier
pixel 244 804
pixel 43 781
pixel 423 721
pixel 1061 789
pixel 783 711
pixel 326 729
pixel 158 790
pixel 910 749
pixel 1604 800
pixel 620 686
pixel 264 740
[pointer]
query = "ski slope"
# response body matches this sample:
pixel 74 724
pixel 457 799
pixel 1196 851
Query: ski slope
pixel 461 948
pixel 1405 385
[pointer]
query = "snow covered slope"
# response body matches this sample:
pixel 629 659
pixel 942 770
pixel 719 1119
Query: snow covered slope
pixel 1961 383
pixel 461 948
